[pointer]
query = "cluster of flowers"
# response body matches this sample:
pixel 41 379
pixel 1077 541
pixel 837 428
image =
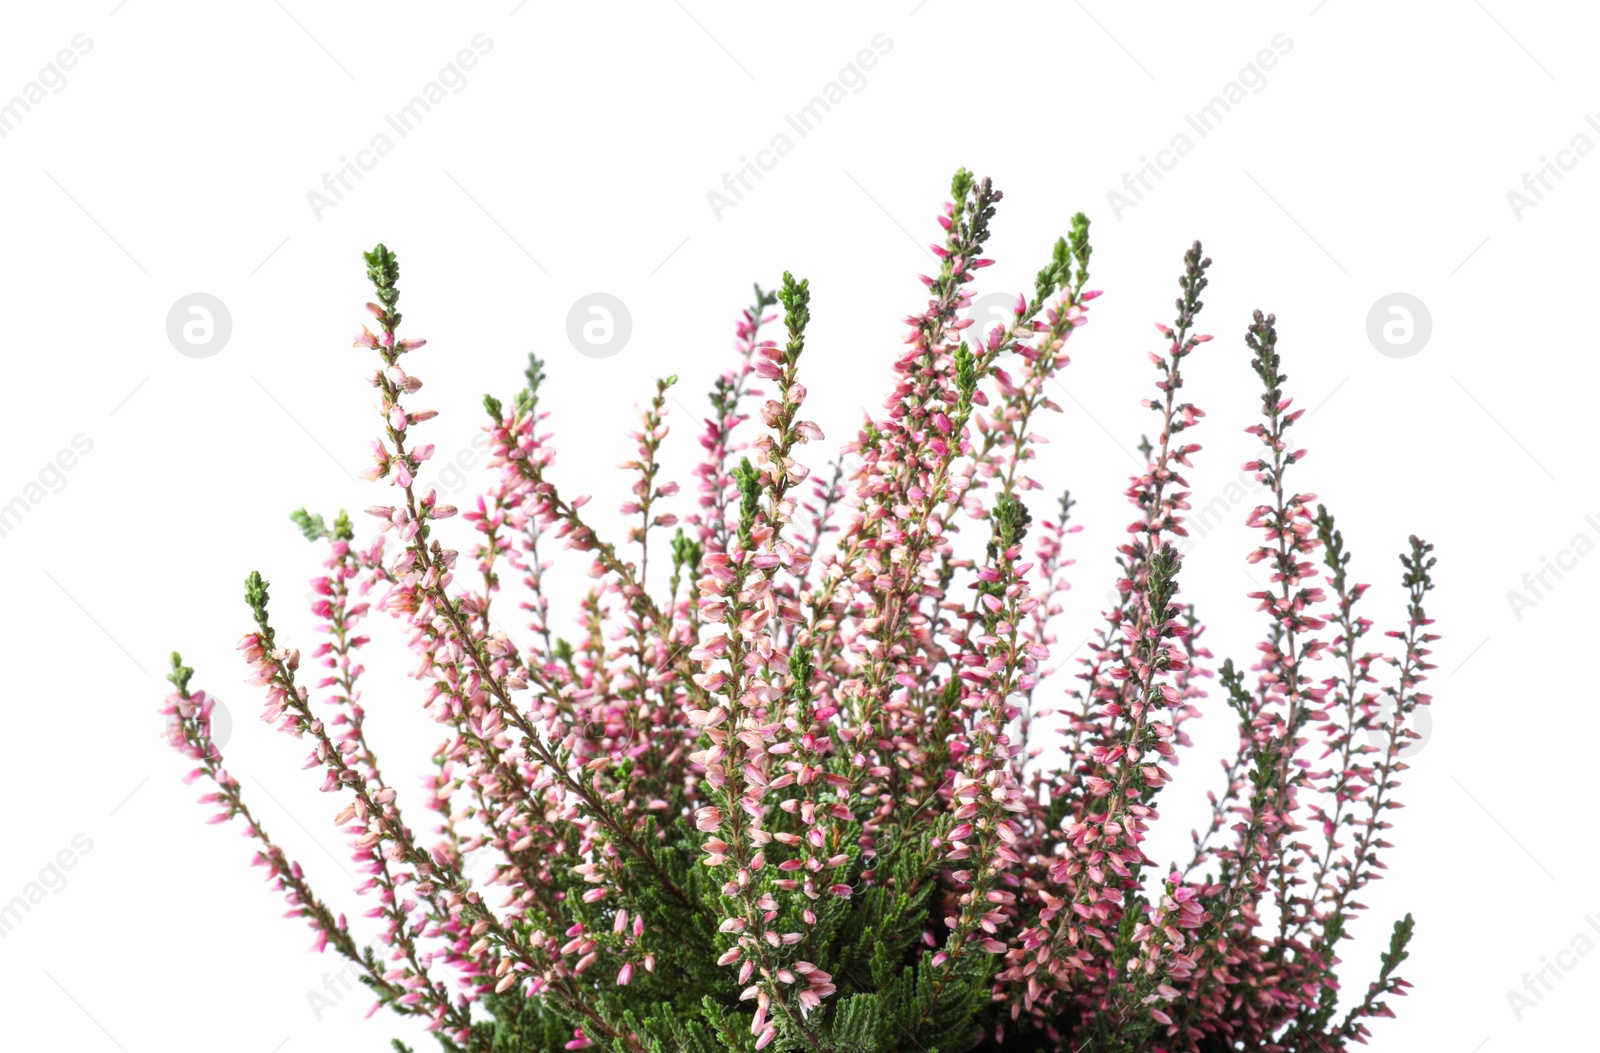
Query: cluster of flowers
pixel 811 788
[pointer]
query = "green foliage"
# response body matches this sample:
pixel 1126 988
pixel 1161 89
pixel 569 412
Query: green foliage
pixel 961 185
pixel 796 299
pixel 180 675
pixel 1081 250
pixel 1069 263
pixel 255 594
pixel 748 480
pixel 383 271
pixel 315 528
pixel 891 998
pixel 1011 518
pixel 1055 275
pixel 312 526
pixel 966 370
pixel 686 555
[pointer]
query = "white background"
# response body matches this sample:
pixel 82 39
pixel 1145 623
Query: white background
pixel 577 158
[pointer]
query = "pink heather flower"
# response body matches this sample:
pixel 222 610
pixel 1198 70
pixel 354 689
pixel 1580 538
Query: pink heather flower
pixel 810 718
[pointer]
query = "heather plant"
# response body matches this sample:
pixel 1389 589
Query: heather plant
pixel 800 778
